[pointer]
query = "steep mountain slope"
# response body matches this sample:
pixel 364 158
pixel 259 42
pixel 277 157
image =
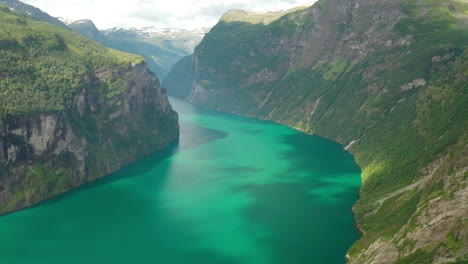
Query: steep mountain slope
pixel 71 110
pixel 161 48
pixel 32 11
pixel 388 79
pixel 86 28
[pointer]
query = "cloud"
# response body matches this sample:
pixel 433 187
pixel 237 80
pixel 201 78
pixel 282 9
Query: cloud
pixel 141 13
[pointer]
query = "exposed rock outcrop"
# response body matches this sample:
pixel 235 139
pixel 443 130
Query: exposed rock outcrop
pixel 385 78
pixel 45 154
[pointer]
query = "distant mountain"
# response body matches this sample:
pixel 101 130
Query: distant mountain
pixel 161 47
pixel 32 11
pixel 182 38
pixel 86 28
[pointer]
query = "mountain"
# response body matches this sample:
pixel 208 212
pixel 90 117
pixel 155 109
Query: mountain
pixel 387 79
pixel 86 28
pixel 32 11
pixel 184 39
pixel 161 48
pixel 71 110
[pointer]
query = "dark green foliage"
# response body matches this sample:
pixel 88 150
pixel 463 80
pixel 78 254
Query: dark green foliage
pixel 404 105
pixel 391 215
pixel 42 65
pixel 183 75
pixel 238 39
pixel 420 257
pixel 460 261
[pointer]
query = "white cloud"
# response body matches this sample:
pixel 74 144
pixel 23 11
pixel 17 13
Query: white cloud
pixel 167 13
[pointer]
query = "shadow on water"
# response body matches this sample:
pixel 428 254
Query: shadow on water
pixel 241 170
pixel 326 157
pixel 127 211
pixel 303 210
pixel 322 178
pixel 192 136
pixel 328 186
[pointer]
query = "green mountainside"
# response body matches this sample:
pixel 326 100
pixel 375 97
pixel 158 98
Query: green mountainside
pixel 32 11
pixel 71 110
pixel 387 79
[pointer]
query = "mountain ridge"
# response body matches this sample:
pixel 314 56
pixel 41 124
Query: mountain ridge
pixel 161 47
pixel 32 11
pixel 386 79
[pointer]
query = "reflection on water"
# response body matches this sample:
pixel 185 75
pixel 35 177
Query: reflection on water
pixel 232 190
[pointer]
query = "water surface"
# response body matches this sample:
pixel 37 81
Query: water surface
pixel 233 190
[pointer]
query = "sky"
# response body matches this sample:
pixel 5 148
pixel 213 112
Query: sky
pixel 159 13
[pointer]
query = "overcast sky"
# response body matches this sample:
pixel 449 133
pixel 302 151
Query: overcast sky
pixel 160 13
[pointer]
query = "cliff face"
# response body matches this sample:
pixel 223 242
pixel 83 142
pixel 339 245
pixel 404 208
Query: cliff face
pixel 71 111
pixel 387 79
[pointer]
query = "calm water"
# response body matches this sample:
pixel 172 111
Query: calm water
pixel 234 190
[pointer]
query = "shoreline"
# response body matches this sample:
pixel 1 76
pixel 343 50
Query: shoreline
pixel 356 226
pixel 166 147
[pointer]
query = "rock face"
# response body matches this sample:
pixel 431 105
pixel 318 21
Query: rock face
pixel 385 78
pixel 44 155
pixel 81 112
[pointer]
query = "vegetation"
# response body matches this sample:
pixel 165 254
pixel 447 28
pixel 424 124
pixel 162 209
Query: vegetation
pixel 81 90
pixel 403 104
pixel 420 256
pixel 256 18
pixel 43 65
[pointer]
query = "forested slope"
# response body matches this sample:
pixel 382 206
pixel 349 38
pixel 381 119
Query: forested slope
pixel 71 110
pixel 387 79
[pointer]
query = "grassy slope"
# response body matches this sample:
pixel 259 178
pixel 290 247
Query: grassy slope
pixel 42 64
pixel 399 131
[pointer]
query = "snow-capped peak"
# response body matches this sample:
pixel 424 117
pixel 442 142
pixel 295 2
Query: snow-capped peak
pixel 66 21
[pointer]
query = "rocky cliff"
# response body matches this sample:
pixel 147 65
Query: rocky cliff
pixel 71 111
pixel 387 79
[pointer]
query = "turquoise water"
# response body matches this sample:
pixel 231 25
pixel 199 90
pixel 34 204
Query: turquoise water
pixel 233 190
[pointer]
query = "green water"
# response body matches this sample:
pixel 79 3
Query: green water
pixel 233 190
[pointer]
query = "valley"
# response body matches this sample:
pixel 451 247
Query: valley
pixel 385 80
